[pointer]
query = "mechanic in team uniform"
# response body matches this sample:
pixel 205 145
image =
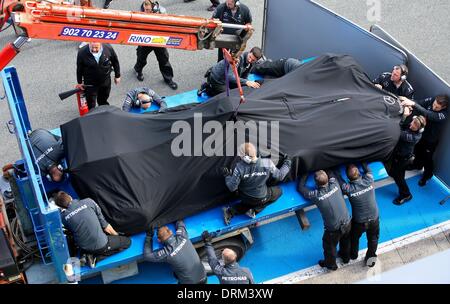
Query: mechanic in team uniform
pixel 178 252
pixel 231 272
pixel 143 98
pixel 234 12
pixel 365 216
pixel 49 152
pixel 395 82
pixel 330 201
pixel 435 110
pixel 250 177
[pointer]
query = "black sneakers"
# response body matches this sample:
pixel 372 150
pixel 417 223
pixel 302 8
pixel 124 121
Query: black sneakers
pixel 139 75
pixel 323 265
pixel 172 84
pixel 422 182
pixel 401 200
pixel 370 262
pixel 107 3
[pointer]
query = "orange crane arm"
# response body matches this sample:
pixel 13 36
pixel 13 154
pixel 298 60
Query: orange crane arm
pixel 44 20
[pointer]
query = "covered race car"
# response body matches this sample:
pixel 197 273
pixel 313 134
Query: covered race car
pixel 143 172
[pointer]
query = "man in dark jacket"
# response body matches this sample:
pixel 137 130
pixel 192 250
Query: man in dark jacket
pixel 234 12
pixel 330 201
pixel 395 82
pixel 92 233
pixel 365 217
pixel 143 98
pixel 276 68
pixel 230 272
pixel 216 78
pixel 411 133
pixel 94 65
pixel 250 177
pixel 162 55
pixel 179 252
pixel 49 152
pixel 435 110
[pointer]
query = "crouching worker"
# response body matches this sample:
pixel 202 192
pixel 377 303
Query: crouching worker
pixel 49 152
pixel 230 272
pixel 250 177
pixel 330 201
pixel 178 252
pixel 216 78
pixel 143 98
pixel 92 233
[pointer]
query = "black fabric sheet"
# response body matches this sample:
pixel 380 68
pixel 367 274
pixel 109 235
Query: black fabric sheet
pixel 329 113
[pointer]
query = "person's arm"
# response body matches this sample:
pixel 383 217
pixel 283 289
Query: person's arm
pixel 150 256
pixel 249 18
pixel 181 229
pixel 79 69
pixel 279 174
pixel 429 115
pixel 218 12
pixel 159 101
pixel 250 277
pixel 115 63
pixel 304 190
pixel 344 186
pixel 379 79
pixel 127 103
pixel 213 261
pixel 233 180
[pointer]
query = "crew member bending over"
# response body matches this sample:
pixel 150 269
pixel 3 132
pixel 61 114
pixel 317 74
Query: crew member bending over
pixel 250 177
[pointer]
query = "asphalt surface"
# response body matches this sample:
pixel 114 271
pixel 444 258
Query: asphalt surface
pixel 47 68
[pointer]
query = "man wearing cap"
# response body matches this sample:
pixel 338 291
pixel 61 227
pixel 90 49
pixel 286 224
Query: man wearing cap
pixel 142 98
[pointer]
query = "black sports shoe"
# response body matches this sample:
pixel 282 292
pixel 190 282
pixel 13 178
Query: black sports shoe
pixel 227 216
pixel 172 84
pixel 107 3
pixel 322 264
pixel 422 182
pixel 139 75
pixel 251 213
pixel 370 262
pixel 401 200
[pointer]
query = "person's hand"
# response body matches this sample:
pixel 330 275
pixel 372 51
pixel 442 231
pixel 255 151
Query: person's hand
pixel 406 102
pixel 379 86
pixel 110 230
pixel 80 86
pixel 226 171
pixel 117 80
pixel 207 238
pixel 407 111
pixel 253 84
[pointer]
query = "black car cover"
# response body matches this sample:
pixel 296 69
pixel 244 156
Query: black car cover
pixel 328 112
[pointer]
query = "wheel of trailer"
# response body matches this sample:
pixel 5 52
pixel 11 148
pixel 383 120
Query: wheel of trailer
pixel 235 243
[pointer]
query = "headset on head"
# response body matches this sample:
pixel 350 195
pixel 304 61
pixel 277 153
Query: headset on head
pixel 137 103
pixel 237 2
pixel 422 122
pixel 404 71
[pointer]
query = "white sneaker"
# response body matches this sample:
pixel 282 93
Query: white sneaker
pixel 251 213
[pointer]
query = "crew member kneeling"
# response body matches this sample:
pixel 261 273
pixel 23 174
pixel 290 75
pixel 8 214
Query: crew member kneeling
pixel 92 233
pixel 250 176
